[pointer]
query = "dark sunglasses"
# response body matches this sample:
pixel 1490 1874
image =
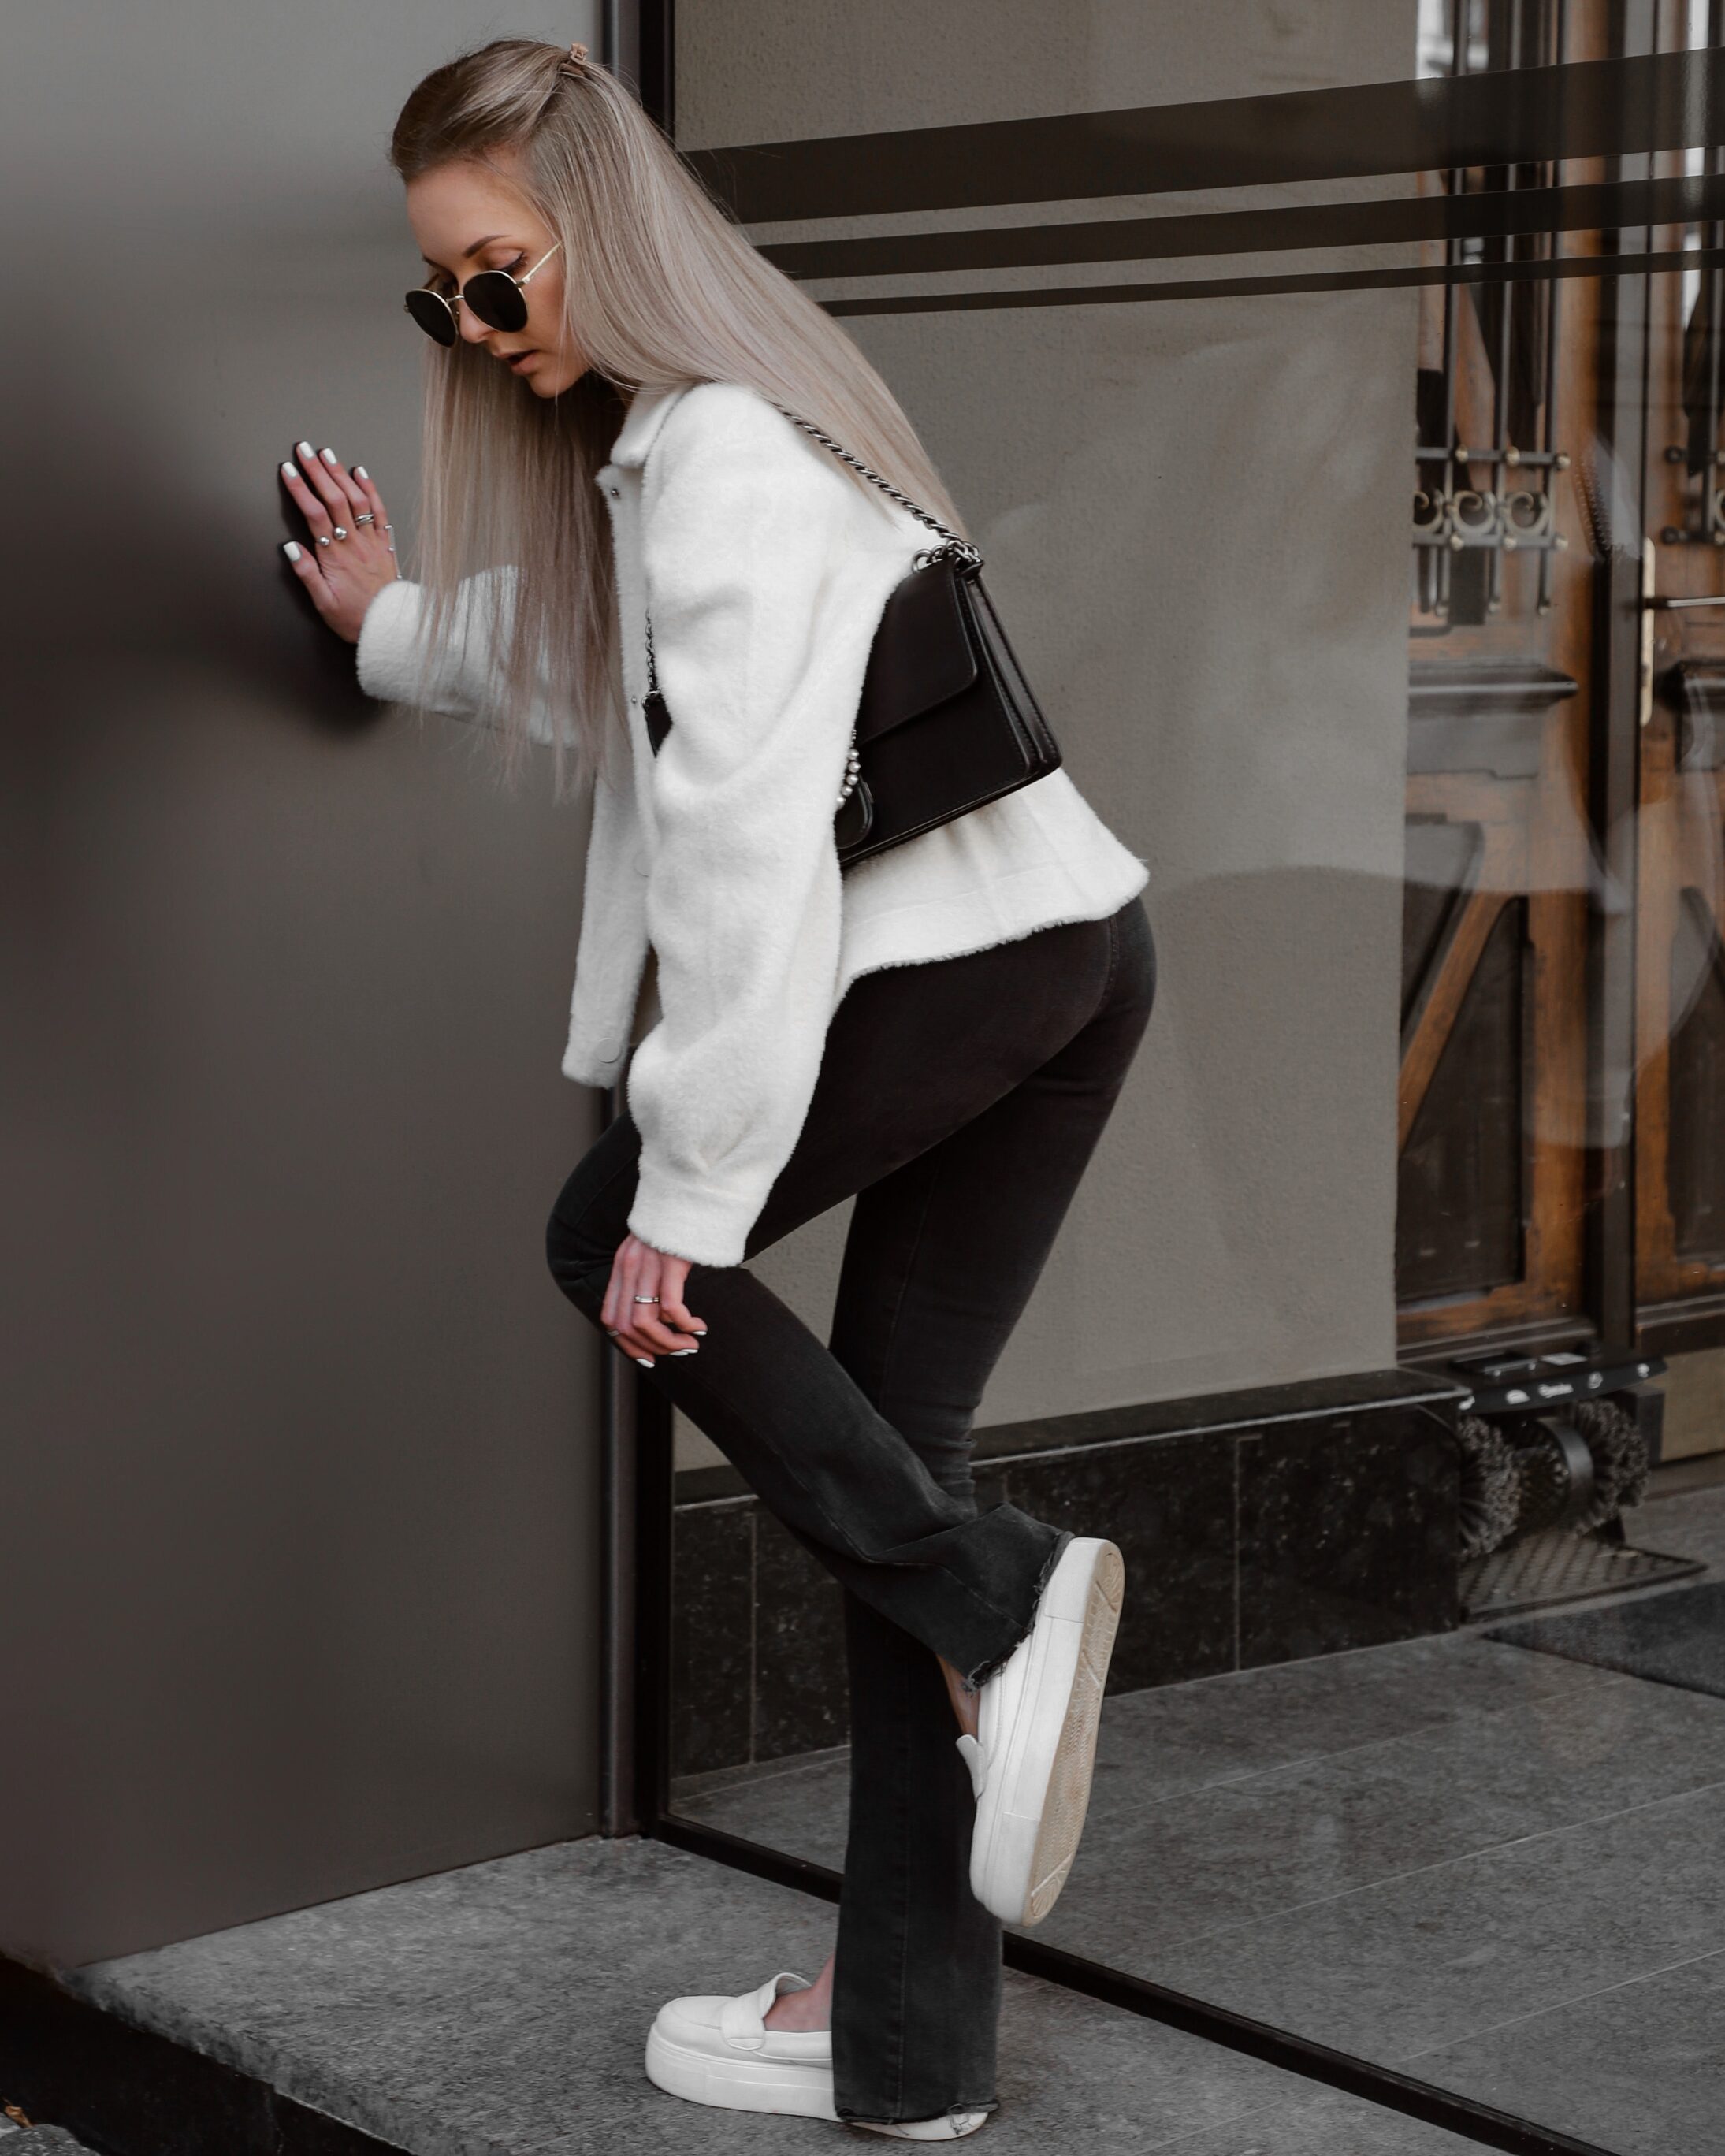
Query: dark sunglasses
pixel 494 295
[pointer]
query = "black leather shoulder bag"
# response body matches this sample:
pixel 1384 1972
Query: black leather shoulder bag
pixel 946 722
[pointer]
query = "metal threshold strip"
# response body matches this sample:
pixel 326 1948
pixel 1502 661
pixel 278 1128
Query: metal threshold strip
pixel 1382 2086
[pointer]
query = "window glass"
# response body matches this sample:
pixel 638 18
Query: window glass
pixel 1336 393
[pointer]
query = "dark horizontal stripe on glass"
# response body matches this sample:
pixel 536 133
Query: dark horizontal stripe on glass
pixel 1238 288
pixel 1518 116
pixel 1502 214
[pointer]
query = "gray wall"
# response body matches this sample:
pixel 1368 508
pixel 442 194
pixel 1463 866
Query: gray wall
pixel 297 1593
pixel 1195 516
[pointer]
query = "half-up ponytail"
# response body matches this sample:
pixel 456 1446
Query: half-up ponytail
pixel 661 288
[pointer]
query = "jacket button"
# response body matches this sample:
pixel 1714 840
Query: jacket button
pixel 610 1050
pixel 615 493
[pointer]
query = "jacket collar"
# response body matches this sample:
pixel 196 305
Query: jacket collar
pixel 647 414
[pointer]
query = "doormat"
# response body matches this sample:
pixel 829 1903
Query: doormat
pixel 1674 1639
pixel 1537 1570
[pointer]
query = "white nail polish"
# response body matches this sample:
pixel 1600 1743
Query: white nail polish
pixel 360 472
pixel 290 471
pixel 328 456
pixel 684 1351
pixel 304 449
pixel 645 1362
pixel 291 551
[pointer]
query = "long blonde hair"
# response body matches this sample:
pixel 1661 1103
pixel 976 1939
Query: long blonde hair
pixel 660 288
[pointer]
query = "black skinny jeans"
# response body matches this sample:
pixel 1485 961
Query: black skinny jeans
pixel 959 1101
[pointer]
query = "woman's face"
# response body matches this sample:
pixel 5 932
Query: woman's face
pixel 468 218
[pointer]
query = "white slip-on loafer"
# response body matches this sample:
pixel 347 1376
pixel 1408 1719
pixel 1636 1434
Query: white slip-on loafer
pixel 1032 1757
pixel 950 2126
pixel 720 2051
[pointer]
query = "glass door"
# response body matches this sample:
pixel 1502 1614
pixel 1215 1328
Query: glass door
pixel 1335 392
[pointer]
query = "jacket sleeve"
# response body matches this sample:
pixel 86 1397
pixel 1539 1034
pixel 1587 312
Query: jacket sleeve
pixel 461 682
pixel 765 574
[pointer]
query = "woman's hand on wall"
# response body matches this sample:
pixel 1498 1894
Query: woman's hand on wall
pixel 350 554
pixel 645 1330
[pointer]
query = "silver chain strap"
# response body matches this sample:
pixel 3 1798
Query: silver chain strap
pixel 951 545
pixel 960 549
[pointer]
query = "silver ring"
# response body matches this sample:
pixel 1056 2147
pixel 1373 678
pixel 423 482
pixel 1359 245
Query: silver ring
pixel 646 1298
pixel 323 538
pixel 365 516
pixel 341 532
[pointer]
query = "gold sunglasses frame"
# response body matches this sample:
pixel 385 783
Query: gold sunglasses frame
pixel 450 301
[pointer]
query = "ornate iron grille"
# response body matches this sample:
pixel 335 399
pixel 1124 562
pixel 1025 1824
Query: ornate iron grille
pixel 1485 450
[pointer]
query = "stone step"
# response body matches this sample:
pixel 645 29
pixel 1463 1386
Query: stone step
pixel 500 2010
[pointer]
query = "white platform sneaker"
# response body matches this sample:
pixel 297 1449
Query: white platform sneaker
pixel 720 2051
pixel 1035 1745
pixel 953 2127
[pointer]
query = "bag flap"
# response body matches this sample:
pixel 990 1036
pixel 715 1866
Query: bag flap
pixel 921 655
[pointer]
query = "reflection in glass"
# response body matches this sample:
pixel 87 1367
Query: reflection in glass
pixel 1417 1740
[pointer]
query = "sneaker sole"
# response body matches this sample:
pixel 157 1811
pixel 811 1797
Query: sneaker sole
pixel 1027 1882
pixel 926 2129
pixel 1069 1784
pixel 739 2084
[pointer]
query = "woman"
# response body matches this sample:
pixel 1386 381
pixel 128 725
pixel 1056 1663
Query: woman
pixel 942 1033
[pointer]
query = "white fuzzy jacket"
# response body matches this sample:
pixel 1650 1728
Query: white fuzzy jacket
pixel 766 569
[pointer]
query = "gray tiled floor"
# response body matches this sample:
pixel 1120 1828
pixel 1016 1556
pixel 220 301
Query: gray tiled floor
pixel 500 2011
pixel 1689 1524
pixel 1459 1744
pixel 1661 2041
pixel 1501 1869
pixel 1460 1948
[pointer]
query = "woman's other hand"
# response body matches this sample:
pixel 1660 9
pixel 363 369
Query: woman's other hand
pixel 349 554
pixel 642 1329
